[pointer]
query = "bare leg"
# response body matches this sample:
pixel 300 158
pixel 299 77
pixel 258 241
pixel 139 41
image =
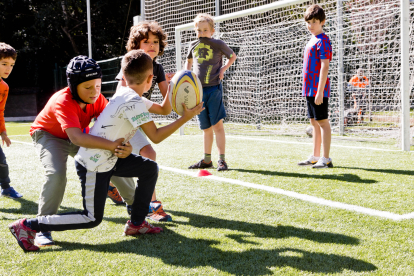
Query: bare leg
pixel 208 139
pixel 220 137
pixel 326 136
pixel 316 138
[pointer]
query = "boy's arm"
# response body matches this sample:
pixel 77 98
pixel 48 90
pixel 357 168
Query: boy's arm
pixel 156 135
pixel 229 63
pixel 81 139
pixel 323 76
pixel 5 138
pixel 164 108
pixel 189 64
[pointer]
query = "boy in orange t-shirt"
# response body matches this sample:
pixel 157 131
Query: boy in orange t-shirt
pixel 7 59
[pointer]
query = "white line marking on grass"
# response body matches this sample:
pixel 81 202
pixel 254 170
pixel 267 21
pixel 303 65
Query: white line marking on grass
pixel 303 143
pixel 313 199
pixel 26 143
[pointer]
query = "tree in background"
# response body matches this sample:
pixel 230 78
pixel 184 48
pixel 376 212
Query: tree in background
pixel 46 33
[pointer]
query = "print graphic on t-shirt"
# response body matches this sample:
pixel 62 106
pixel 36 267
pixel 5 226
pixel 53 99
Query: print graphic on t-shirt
pixel 203 52
pixel 106 126
pixel 127 106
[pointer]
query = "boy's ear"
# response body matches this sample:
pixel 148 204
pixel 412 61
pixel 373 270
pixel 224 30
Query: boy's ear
pixel 149 79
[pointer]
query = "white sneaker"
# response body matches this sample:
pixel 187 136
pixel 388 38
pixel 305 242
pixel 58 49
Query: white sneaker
pixel 310 161
pixel 323 163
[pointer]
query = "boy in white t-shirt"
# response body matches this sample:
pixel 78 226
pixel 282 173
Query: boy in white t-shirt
pixel 121 118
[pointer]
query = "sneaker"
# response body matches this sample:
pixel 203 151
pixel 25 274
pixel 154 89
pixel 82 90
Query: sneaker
pixel 202 165
pixel 156 212
pixel 114 195
pixel 144 228
pixel 44 239
pixel 222 165
pixel 24 235
pixel 323 163
pixel 312 160
pixel 10 192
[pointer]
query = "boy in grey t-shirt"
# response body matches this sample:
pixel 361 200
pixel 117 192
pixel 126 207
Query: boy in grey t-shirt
pixel 208 66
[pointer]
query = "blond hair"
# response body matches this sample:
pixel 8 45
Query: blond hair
pixel 204 17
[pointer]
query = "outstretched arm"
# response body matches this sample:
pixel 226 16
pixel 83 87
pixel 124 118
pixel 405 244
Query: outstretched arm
pixel 157 135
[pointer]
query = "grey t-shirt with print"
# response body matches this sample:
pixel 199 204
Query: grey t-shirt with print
pixel 207 54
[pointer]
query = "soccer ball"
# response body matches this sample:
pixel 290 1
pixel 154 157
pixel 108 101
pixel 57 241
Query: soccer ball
pixel 309 131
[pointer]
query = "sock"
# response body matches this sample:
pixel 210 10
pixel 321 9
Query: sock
pixel 221 156
pixel 5 186
pixel 207 158
pixel 137 222
pixel 32 224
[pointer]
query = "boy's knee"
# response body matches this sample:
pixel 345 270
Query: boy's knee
pixel 148 152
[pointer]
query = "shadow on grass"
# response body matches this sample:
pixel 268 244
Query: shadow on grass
pixel 178 250
pixel 27 207
pixel 390 171
pixel 346 177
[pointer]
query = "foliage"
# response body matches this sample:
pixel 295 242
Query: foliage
pixel 46 33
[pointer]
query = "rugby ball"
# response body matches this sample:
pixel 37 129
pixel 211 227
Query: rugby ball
pixel 185 88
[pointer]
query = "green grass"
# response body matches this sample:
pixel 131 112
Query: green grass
pixel 225 229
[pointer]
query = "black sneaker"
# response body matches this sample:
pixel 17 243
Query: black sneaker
pixel 202 165
pixel 222 165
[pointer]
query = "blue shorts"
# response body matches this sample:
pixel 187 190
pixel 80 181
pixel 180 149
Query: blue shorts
pixel 214 108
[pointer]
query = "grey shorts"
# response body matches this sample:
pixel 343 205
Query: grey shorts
pixel 138 141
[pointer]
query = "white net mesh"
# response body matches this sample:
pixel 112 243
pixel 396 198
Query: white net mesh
pixel 263 87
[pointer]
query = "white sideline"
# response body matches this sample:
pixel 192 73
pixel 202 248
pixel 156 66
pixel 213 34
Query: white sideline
pixel 304 143
pixel 313 199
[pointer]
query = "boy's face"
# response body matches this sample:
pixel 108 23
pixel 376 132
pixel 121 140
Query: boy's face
pixel 89 91
pixel 203 29
pixel 151 46
pixel 314 26
pixel 6 66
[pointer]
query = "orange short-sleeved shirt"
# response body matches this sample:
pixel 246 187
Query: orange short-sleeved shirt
pixel 62 112
pixel 4 92
pixel 357 83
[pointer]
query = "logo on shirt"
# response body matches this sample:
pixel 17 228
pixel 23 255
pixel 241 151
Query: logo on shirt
pixel 203 52
pixel 95 158
pixel 106 126
pixel 143 117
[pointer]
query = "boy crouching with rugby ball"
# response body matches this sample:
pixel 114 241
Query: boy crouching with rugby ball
pixel 123 115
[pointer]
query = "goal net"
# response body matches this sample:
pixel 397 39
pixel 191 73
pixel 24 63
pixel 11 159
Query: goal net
pixel 263 87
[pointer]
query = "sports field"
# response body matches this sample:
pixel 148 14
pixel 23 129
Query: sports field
pixel 264 216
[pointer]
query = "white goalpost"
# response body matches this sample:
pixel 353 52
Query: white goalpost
pixel 263 88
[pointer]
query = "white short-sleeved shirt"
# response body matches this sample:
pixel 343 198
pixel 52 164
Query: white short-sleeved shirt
pixel 121 118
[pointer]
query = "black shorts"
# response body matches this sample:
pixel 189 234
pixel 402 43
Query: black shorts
pixel 317 112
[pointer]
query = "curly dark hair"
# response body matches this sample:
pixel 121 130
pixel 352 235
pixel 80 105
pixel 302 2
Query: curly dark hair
pixel 140 32
pixel 7 51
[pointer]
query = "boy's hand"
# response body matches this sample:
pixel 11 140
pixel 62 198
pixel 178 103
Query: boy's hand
pixel 169 76
pixel 222 71
pixel 190 113
pixel 6 139
pixel 116 144
pixel 123 151
pixel 319 98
